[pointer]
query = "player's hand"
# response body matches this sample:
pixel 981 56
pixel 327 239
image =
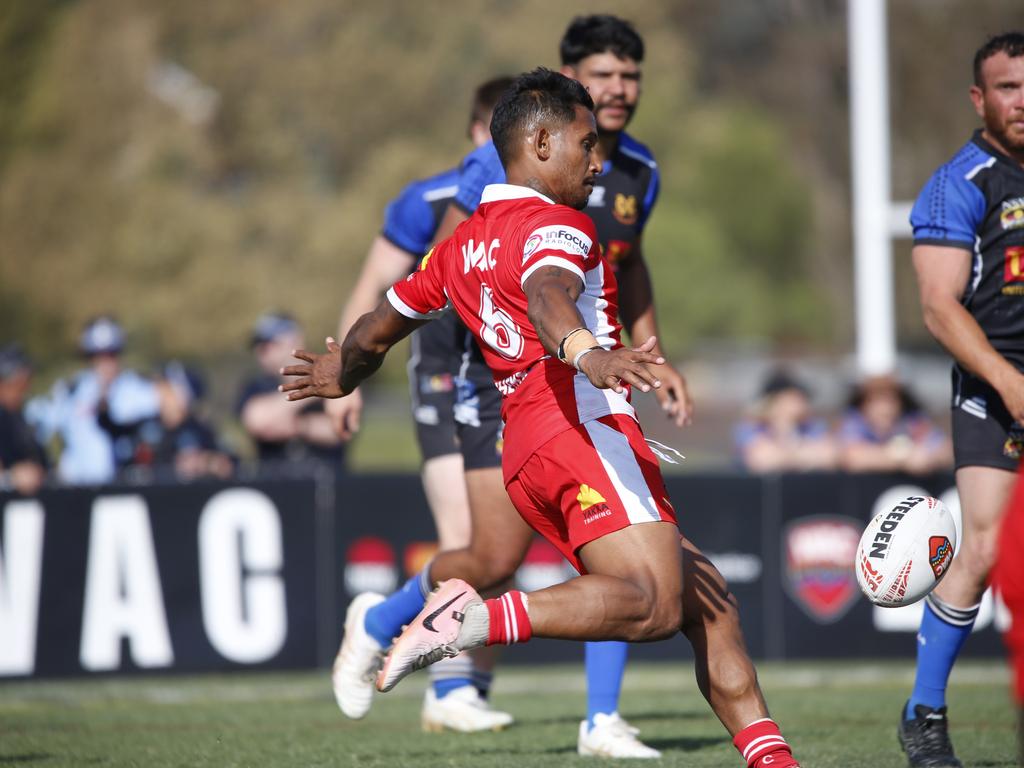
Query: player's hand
pixel 317 376
pixel 673 396
pixel 612 369
pixel 1013 398
pixel 346 414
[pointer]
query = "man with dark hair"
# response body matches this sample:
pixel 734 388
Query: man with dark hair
pixel 525 273
pixel 620 203
pixel 22 459
pixel 969 257
pixel 458 429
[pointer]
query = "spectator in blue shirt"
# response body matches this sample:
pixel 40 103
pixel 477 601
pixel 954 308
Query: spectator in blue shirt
pixel 885 430
pixel 73 408
pixel 783 435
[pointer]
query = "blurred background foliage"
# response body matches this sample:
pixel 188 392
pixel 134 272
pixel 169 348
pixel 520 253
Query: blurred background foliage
pixel 189 165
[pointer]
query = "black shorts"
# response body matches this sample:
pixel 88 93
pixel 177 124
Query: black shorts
pixel 456 407
pixel 984 433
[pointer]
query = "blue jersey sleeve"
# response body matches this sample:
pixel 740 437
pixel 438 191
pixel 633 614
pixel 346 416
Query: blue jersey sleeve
pixel 480 168
pixel 409 221
pixel 651 197
pixel 633 148
pixel 948 211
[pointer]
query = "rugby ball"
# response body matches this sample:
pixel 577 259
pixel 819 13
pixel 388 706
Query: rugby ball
pixel 905 551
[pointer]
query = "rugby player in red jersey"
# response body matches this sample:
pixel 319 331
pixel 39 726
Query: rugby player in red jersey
pixel 524 275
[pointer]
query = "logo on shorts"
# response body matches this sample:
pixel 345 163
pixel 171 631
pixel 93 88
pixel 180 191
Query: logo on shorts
pixel 1013 448
pixel 532 244
pixel 1012 216
pixel 940 554
pixel 819 554
pixel 592 504
pixel 626 209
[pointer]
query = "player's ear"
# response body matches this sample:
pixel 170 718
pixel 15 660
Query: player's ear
pixel 542 143
pixel 568 70
pixel 978 99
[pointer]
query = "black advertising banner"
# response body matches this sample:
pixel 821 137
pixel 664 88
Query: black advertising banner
pixel 158 578
pixel 213 576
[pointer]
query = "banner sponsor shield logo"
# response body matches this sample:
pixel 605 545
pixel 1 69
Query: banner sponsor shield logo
pixel 818 556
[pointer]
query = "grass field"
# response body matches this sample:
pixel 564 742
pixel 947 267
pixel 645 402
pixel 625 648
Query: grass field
pixel 835 714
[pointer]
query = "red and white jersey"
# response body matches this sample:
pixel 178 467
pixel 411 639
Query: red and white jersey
pixel 480 271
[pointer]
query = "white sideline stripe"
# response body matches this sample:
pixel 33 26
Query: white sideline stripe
pixel 620 463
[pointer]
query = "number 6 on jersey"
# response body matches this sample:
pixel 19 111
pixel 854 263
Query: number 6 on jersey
pixel 498 329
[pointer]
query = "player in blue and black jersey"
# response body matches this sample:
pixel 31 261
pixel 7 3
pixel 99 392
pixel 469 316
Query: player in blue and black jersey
pixel 969 257
pixel 442 364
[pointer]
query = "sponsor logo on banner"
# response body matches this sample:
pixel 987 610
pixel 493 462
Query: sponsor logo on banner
pixel 593 505
pixel 542 567
pixel 370 566
pixel 417 555
pixel 940 554
pixel 1012 216
pixel 562 238
pixel 626 209
pixel 532 244
pixel 819 554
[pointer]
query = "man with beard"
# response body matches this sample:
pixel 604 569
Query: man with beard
pixel 969 258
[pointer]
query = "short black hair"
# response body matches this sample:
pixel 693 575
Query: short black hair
pixel 1010 43
pixel 532 97
pixel 600 33
pixel 486 96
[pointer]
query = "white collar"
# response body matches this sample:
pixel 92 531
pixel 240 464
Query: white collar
pixel 494 192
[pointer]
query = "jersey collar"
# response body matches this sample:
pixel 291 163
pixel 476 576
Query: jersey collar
pixel 494 192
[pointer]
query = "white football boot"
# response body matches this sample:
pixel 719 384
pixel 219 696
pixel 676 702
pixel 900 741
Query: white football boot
pixel 612 736
pixel 463 710
pixel 358 660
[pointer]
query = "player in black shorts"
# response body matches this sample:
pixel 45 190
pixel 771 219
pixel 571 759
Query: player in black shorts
pixel 969 258
pixel 454 411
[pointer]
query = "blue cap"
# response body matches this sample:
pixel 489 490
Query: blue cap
pixel 272 325
pixel 101 335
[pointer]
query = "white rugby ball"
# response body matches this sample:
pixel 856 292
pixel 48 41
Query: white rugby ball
pixel 905 551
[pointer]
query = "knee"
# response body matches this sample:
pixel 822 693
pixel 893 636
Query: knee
pixel 662 619
pixel 489 569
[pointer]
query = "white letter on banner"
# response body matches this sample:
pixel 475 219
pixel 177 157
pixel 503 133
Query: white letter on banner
pixel 244 613
pixel 122 589
pixel 21 565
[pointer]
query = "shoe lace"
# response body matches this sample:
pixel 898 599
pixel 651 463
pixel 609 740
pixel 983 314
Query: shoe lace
pixel 435 654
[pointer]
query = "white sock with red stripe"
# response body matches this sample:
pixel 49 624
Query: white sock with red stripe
pixel 509 621
pixel 762 746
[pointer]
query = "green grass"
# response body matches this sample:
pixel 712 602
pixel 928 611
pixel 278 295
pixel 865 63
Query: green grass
pixel 836 715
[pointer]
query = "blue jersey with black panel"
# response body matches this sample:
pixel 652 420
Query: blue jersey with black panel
pixel 410 222
pixel 976 202
pixel 623 197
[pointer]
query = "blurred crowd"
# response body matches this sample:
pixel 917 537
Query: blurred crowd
pixel 882 428
pixel 108 423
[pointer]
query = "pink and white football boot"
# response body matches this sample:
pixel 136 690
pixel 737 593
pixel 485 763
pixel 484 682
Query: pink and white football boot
pixel 432 635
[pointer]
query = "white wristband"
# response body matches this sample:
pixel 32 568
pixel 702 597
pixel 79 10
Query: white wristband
pixel 580 355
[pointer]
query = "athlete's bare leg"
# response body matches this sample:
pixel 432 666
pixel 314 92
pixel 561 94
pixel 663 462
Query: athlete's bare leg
pixel 641 585
pixel 499 537
pixel 984 494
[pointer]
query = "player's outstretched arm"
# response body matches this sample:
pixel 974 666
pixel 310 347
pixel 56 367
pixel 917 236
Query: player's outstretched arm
pixel 343 367
pixel 551 294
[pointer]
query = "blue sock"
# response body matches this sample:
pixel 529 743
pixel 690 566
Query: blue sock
pixel 606 663
pixel 385 620
pixel 940 638
pixel 449 674
pixel 482 682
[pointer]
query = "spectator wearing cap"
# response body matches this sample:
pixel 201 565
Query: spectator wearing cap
pixel 782 434
pixel 73 408
pixel 22 459
pixel 283 430
pixel 885 430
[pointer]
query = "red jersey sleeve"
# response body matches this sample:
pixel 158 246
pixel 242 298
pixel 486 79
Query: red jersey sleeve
pixel 421 296
pixel 560 237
